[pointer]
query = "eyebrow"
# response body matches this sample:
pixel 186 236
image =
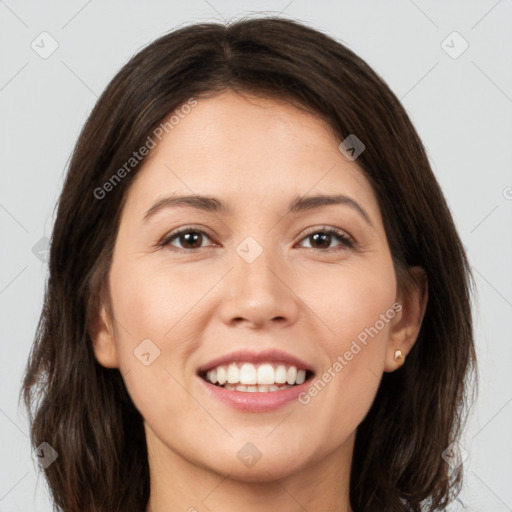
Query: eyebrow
pixel 214 205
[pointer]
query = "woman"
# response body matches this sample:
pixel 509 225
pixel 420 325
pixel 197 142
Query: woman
pixel 257 296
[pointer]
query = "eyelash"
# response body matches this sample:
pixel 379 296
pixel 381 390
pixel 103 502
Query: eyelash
pixel 346 241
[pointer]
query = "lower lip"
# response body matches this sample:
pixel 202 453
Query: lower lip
pixel 256 401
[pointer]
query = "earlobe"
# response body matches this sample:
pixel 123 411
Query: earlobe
pixel 406 327
pixel 103 340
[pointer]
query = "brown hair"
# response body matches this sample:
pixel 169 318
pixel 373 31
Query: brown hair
pixel 83 410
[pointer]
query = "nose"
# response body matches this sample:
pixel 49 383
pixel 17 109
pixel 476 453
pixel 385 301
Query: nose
pixel 258 294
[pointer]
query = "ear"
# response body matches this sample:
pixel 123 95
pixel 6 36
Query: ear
pixel 103 340
pixel 406 325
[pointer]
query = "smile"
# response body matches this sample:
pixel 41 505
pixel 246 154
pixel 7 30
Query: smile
pixel 256 378
pixel 255 381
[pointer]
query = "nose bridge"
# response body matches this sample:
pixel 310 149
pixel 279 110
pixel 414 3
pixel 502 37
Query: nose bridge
pixel 256 291
pixel 254 266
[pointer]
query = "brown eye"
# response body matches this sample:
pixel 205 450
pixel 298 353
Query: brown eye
pixel 321 239
pixel 190 240
pixel 187 238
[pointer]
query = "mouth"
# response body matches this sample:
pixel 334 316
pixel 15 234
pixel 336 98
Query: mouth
pixel 255 382
pixel 247 377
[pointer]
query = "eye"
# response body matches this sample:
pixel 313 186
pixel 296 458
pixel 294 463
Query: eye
pixel 321 238
pixel 188 237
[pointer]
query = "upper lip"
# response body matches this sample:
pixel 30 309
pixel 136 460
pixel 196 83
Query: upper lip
pixel 247 356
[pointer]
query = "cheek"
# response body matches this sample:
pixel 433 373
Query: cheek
pixel 152 299
pixel 357 307
pixel 156 328
pixel 349 299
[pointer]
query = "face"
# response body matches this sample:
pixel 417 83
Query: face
pixel 259 284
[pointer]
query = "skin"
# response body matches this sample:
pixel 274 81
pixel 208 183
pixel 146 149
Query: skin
pixel 310 300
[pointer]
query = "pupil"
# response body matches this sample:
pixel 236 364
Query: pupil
pixel 191 238
pixel 322 237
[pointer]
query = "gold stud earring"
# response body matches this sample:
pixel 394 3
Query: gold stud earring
pixel 399 357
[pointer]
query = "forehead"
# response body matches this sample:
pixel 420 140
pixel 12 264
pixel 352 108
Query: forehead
pixel 249 150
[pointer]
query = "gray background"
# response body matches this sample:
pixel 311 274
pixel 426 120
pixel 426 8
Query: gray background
pixel 461 107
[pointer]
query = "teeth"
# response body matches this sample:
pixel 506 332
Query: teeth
pixel 266 374
pixel 233 374
pixel 256 378
pixel 221 375
pixel 255 389
pixel 301 376
pixel 291 375
pixel 281 374
pixel 248 374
